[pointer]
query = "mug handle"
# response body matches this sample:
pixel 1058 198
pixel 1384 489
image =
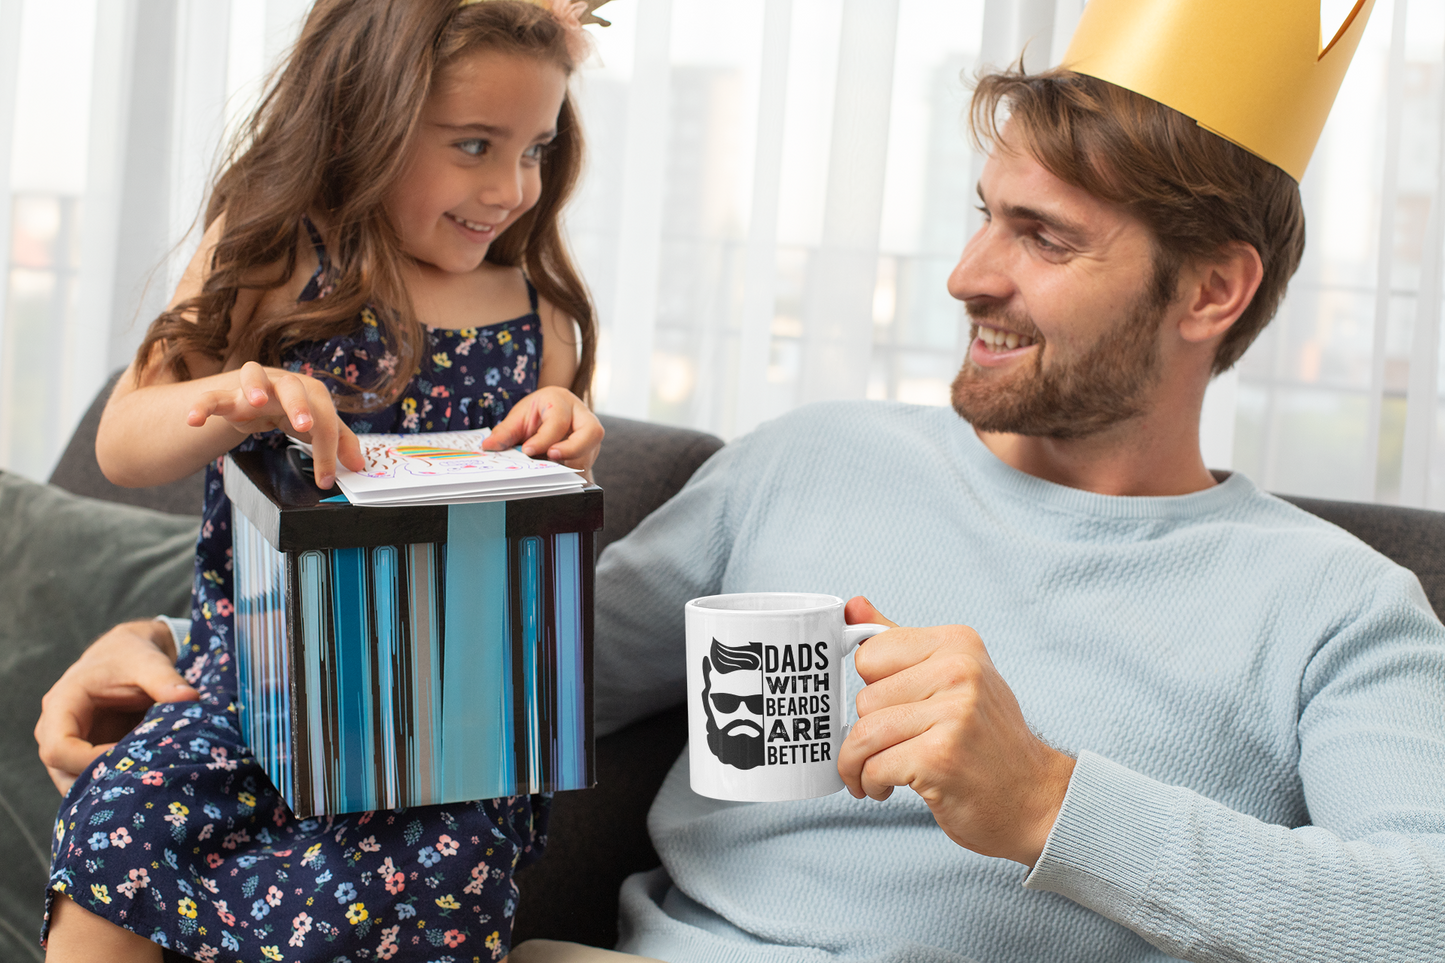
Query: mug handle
pixel 854 634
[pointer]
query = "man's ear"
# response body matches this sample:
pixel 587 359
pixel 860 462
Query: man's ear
pixel 1218 289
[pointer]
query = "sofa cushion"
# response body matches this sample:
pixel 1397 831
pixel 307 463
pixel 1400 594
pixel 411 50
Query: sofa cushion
pixel 70 568
pixel 78 472
pixel 641 466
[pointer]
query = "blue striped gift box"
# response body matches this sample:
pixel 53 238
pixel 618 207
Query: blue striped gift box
pixel 391 657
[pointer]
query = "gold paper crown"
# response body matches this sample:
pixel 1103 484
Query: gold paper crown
pixel 1255 73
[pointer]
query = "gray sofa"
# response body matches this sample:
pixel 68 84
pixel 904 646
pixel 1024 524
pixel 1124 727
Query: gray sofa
pixel 74 560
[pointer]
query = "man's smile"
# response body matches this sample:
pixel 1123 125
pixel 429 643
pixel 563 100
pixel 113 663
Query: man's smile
pixel 994 346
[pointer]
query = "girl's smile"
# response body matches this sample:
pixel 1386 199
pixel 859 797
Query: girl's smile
pixel 473 166
pixel 480 232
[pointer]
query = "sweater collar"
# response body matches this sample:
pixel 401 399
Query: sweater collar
pixel 989 470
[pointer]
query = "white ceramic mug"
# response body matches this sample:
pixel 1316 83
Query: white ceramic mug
pixel 766 706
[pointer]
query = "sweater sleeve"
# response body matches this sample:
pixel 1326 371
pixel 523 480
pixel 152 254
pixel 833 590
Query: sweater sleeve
pixel 1366 878
pixel 679 552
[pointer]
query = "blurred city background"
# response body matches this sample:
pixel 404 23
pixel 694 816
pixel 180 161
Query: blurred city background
pixel 776 192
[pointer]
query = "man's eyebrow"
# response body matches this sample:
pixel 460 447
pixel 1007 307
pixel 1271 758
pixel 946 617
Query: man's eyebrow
pixel 1062 226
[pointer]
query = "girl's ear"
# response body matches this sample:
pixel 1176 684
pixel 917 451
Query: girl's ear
pixel 1219 289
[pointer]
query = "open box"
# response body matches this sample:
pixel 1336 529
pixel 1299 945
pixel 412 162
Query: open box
pixel 407 656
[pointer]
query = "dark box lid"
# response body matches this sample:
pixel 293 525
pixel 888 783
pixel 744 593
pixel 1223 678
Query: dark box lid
pixel 280 498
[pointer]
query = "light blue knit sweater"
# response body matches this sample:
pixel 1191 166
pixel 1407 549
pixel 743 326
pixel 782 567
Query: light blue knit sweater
pixel 1256 697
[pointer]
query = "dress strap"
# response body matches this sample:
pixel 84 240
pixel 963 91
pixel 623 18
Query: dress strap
pixel 316 287
pixel 531 293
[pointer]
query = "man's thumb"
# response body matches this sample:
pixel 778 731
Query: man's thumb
pixel 858 609
pixel 164 684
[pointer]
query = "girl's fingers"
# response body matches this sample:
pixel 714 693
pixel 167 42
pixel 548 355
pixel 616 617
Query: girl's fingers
pixel 229 404
pixel 563 456
pixel 580 446
pixel 64 719
pixel 552 423
pixel 202 410
pixel 326 434
pixel 579 449
pixel 255 384
pixel 511 430
pixel 292 395
pixel 348 450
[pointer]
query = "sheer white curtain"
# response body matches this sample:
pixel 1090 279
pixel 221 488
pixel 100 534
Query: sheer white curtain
pixel 111 116
pixel 815 268
pixel 1341 395
pixel 777 190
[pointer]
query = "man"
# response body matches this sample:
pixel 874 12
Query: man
pixel 1254 697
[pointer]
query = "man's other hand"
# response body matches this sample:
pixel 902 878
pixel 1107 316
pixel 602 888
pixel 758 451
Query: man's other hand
pixel 104 695
pixel 936 716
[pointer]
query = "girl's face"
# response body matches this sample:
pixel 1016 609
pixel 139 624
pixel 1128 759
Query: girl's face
pixel 474 163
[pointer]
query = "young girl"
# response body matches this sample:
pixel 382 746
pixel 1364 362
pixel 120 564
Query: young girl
pixel 382 255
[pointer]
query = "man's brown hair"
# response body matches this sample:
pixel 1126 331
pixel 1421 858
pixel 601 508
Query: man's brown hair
pixel 1194 190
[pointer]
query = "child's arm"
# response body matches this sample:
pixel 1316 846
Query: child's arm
pixel 156 429
pixel 552 421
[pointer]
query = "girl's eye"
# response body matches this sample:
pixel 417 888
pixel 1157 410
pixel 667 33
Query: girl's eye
pixel 538 151
pixel 984 211
pixel 475 148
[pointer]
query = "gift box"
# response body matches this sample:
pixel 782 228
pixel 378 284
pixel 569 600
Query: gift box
pixel 406 656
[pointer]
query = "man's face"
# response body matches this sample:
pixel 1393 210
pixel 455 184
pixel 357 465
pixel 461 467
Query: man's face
pixel 1059 286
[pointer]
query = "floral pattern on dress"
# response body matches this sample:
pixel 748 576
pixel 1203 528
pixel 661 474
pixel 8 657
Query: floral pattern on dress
pixel 178 835
pixel 468 377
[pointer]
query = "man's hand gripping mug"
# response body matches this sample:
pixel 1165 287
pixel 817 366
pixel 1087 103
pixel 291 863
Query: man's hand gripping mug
pixel 766 706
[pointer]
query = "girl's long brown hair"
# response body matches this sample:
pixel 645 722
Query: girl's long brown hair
pixel 330 137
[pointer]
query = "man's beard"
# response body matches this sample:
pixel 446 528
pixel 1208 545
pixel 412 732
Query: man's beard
pixel 1073 398
pixel 741 752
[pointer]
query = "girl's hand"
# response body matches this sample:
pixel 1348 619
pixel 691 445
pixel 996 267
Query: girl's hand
pixel 551 421
pixel 272 398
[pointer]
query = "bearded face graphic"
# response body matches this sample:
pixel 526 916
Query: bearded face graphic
pixel 732 696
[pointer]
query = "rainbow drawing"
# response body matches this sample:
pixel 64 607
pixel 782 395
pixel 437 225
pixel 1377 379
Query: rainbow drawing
pixel 434 454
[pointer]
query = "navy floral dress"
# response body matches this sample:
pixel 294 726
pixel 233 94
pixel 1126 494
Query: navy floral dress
pixel 178 835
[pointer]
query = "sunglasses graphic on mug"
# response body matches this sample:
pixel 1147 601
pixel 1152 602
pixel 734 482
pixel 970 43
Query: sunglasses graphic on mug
pixel 726 702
